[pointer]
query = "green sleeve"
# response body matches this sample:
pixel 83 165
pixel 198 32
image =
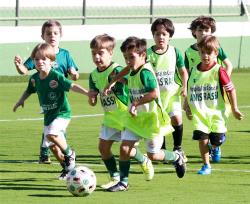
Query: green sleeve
pixel 64 82
pixel 179 59
pixel 92 84
pixel 31 86
pixel 148 80
pixel 222 55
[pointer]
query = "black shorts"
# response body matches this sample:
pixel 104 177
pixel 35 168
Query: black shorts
pixel 215 138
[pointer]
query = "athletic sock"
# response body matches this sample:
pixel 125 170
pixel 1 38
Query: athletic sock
pixel 139 156
pixel 67 151
pixel 177 136
pixel 124 171
pixel 170 156
pixel 44 151
pixel 164 143
pixel 111 166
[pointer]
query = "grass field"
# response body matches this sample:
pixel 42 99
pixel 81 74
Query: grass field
pixel 23 180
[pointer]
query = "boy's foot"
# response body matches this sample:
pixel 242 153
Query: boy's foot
pixel 63 175
pixel 111 183
pixel 216 154
pixel 118 187
pixel 205 170
pixel 44 159
pixel 180 165
pixel 70 161
pixel 147 169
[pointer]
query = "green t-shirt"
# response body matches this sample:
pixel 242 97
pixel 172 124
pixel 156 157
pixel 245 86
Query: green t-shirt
pixel 63 62
pixel 51 95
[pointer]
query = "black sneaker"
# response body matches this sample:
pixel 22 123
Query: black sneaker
pixel 118 187
pixel 63 175
pixel 180 165
pixel 44 160
pixel 70 161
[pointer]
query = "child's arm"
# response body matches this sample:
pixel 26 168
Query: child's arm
pixel 228 66
pixel 92 97
pixel 118 77
pixel 152 95
pixel 77 88
pixel 184 77
pixel 19 65
pixel 73 73
pixel 20 102
pixel 233 102
pixel 187 109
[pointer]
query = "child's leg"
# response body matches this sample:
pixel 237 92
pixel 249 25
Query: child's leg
pixel 216 139
pixel 176 122
pixel 203 146
pixel 44 153
pixel 57 153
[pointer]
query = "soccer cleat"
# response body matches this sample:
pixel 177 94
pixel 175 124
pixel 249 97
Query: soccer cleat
pixel 216 154
pixel 63 175
pixel 205 170
pixel 118 187
pixel 147 169
pixel 180 165
pixel 183 155
pixel 111 183
pixel 44 160
pixel 70 161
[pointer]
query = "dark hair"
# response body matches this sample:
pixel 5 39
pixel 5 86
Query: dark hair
pixel 45 50
pixel 50 23
pixel 204 22
pixel 103 41
pixel 208 44
pixel 134 43
pixel 168 25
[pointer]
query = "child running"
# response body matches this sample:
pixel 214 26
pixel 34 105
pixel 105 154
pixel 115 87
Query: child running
pixel 114 105
pixel 206 109
pixel 145 118
pixel 51 34
pixel 51 87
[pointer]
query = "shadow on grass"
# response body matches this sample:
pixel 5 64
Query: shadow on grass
pixel 50 195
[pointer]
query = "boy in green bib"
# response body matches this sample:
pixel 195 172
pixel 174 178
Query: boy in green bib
pixel 206 109
pixel 51 33
pixel 144 118
pixel 200 27
pixel 114 106
pixel 51 87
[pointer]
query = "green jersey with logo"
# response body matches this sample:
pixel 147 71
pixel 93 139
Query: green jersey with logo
pixel 192 57
pixel 115 103
pixel 206 100
pixel 166 67
pixel 51 95
pixel 150 121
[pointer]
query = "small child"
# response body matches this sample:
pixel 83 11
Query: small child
pixel 171 74
pixel 200 27
pixel 51 34
pixel 114 106
pixel 51 87
pixel 206 86
pixel 145 119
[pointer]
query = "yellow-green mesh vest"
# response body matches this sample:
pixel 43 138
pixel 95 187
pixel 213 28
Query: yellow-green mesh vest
pixel 150 120
pixel 113 108
pixel 166 73
pixel 206 101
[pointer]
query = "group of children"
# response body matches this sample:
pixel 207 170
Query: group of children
pixel 140 101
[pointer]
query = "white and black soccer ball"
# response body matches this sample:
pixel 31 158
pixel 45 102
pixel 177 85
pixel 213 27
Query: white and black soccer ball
pixel 81 181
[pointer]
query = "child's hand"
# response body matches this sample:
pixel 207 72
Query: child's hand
pixel 132 110
pixel 187 110
pixel 19 103
pixel 237 114
pixel 92 97
pixel 107 90
pixel 18 60
pixel 73 73
pixel 184 92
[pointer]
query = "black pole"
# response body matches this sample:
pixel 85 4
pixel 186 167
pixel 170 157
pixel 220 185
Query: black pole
pixel 210 7
pixel 17 13
pixel 151 11
pixel 242 9
pixel 83 11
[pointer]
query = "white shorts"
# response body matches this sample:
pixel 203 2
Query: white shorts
pixel 108 133
pixel 153 145
pixel 58 128
pixel 174 107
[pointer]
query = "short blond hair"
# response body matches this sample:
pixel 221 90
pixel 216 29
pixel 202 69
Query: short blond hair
pixel 45 50
pixel 103 41
pixel 209 43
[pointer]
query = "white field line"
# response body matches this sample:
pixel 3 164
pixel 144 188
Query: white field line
pixel 77 116
pixel 134 167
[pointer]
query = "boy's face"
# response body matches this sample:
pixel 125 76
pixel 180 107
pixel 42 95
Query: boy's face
pixel 161 37
pixel 201 32
pixel 42 63
pixel 208 57
pixel 52 36
pixel 101 57
pixel 133 59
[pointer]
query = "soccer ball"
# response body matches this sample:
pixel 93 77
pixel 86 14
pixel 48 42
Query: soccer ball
pixel 81 181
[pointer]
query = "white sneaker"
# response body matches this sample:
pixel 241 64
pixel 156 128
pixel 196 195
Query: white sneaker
pixel 70 161
pixel 111 183
pixel 147 169
pixel 63 175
